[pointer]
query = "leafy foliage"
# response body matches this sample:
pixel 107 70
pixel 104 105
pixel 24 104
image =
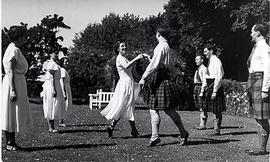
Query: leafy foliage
pixel 42 40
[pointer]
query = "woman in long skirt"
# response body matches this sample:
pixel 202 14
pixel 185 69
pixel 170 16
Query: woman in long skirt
pixel 16 115
pixel 65 84
pixel 122 103
pixel 53 99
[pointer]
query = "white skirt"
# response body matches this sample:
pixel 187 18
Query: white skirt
pixel 122 102
pixel 16 116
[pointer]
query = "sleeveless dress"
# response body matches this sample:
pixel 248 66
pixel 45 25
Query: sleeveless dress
pixel 53 107
pixel 122 102
pixel 16 116
pixel 66 80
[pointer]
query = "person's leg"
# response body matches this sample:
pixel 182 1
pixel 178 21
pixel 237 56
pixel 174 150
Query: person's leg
pixel 62 123
pixel 217 119
pixel 263 135
pixel 178 122
pixel 155 122
pixel 51 126
pixel 10 138
pixel 134 131
pixel 203 120
pixel 7 134
pixel 111 127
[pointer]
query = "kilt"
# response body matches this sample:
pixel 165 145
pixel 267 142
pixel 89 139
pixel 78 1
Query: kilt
pixel 216 106
pixel 160 92
pixel 257 107
pixel 200 103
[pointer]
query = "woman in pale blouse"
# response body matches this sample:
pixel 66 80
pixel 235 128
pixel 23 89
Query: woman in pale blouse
pixel 259 83
pixel 16 114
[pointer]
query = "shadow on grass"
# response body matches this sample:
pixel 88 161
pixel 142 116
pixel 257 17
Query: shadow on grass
pixel 29 149
pixel 149 135
pixel 204 141
pixel 85 125
pixel 239 133
pixel 80 130
pixel 228 127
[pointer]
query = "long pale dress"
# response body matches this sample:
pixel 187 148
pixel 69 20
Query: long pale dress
pixel 122 102
pixel 66 80
pixel 16 115
pixel 53 107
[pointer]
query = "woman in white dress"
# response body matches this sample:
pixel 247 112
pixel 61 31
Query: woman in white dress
pixel 53 99
pixel 122 103
pixel 65 84
pixel 16 115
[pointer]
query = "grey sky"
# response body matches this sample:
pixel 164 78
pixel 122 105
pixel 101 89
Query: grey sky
pixel 77 13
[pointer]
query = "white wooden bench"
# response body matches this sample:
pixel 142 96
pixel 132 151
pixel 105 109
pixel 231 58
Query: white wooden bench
pixel 96 100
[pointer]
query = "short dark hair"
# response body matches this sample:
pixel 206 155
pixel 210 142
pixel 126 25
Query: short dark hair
pixel 200 55
pixel 61 61
pixel 263 28
pixel 16 32
pixel 164 32
pixel 211 46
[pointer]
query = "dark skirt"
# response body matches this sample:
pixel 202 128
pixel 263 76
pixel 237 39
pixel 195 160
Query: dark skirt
pixel 257 107
pixel 160 92
pixel 200 103
pixel 218 105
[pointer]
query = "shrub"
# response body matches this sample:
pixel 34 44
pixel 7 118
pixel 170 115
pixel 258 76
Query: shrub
pixel 235 97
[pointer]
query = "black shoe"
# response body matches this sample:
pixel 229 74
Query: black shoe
pixel 256 152
pixel 154 143
pixel 183 139
pixel 110 132
pixel 135 133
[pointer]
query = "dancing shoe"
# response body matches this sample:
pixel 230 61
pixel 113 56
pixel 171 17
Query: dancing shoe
pixel 256 152
pixel 13 147
pixel 183 139
pixel 200 128
pixel 53 130
pixel 154 143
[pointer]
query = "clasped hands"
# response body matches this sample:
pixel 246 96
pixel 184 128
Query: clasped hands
pixel 213 96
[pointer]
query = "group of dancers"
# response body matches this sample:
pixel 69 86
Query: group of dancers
pixel 160 92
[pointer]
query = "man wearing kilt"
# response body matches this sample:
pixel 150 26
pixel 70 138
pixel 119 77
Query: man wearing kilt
pixel 214 96
pixel 160 91
pixel 259 83
pixel 200 84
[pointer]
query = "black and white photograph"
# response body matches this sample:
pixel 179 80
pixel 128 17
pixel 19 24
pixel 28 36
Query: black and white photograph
pixel 135 80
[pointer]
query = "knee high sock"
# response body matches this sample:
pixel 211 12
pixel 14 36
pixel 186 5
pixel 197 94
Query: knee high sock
pixel 263 133
pixel 155 121
pixel 177 120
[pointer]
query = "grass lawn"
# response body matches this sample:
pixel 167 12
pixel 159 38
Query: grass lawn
pixel 85 139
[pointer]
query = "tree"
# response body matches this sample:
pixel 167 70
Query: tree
pixel 41 41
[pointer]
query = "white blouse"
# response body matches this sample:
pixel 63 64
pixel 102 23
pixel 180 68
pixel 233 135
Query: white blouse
pixel 202 72
pixel 215 71
pixel 161 55
pixel 260 62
